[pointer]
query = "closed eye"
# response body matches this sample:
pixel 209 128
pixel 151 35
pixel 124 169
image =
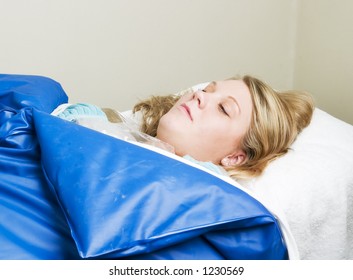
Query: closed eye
pixel 222 110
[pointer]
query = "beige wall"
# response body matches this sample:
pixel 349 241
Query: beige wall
pixel 112 52
pixel 324 63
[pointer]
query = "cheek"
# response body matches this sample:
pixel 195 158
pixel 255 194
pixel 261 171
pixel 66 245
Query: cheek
pixel 222 136
pixel 215 129
pixel 168 127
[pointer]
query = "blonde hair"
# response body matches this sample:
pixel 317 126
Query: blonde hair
pixel 277 119
pixel 152 110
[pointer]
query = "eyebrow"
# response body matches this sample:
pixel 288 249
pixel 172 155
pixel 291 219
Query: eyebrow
pixel 236 102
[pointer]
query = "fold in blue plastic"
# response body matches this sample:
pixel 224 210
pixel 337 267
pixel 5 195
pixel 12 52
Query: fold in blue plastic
pixel 32 225
pixel 70 192
pixel 20 91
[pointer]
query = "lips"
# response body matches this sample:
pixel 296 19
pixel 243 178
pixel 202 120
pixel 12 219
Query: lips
pixel 187 110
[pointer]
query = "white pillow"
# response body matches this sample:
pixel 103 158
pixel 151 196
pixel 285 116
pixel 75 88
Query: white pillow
pixel 313 184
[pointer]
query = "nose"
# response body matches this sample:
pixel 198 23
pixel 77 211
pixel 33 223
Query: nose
pixel 201 98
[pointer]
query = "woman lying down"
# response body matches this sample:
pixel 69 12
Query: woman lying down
pixel 235 126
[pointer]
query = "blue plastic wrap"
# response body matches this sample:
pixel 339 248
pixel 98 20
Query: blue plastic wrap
pixel 69 192
pixel 32 225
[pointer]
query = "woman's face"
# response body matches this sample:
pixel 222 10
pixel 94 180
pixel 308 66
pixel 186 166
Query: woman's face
pixel 209 124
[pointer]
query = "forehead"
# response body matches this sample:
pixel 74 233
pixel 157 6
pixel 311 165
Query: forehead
pixel 232 86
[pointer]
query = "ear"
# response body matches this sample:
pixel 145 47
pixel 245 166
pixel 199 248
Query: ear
pixel 234 159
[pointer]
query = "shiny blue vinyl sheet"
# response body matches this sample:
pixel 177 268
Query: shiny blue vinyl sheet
pixel 32 224
pixel 68 192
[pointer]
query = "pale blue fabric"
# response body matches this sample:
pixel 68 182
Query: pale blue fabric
pixel 82 110
pixel 209 165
